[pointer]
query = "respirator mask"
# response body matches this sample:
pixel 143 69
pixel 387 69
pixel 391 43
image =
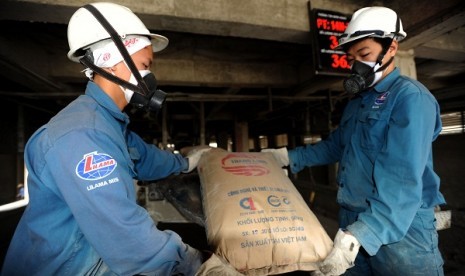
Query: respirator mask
pixel 363 74
pixel 153 100
pixel 141 89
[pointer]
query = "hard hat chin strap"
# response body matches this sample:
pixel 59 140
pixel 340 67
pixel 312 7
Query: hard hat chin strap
pixel 143 96
pixel 385 44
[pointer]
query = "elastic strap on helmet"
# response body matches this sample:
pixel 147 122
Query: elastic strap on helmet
pixel 142 87
pixel 385 44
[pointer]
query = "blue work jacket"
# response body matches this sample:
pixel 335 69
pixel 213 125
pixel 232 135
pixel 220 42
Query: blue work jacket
pixel 384 148
pixel 82 212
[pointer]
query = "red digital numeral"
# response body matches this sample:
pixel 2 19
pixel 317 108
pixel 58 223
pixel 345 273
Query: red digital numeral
pixel 333 42
pixel 339 62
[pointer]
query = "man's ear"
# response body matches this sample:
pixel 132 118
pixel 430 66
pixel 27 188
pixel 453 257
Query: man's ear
pixel 393 47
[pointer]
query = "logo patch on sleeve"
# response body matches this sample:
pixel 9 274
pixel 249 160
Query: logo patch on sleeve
pixel 94 166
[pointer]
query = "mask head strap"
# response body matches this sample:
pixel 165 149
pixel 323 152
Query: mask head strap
pixel 88 61
pixel 385 44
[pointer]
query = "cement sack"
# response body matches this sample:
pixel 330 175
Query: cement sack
pixel 255 217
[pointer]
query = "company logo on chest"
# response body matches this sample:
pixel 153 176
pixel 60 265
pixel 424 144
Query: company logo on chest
pixel 380 100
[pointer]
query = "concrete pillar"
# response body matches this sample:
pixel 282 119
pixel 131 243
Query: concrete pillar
pixel 164 126
pixel 404 60
pixel 241 136
pixel 20 146
pixel 202 124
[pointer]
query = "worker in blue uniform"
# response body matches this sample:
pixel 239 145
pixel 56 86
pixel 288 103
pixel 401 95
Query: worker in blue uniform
pixel 387 186
pixel 82 218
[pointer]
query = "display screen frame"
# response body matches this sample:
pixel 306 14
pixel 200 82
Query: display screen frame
pixel 326 26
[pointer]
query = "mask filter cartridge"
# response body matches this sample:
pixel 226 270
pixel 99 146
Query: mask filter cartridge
pixel 364 75
pixel 154 100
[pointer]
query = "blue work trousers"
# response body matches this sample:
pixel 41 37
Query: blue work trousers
pixel 416 254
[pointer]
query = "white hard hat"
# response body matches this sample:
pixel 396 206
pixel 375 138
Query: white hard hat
pixel 84 29
pixel 373 22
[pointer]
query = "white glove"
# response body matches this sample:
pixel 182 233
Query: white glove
pixel 316 273
pixel 193 157
pixel 280 155
pixel 216 265
pixel 192 262
pixel 342 256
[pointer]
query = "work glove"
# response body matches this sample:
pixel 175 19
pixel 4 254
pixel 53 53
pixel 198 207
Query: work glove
pixel 193 157
pixel 280 155
pixel 192 262
pixel 216 265
pixel 342 256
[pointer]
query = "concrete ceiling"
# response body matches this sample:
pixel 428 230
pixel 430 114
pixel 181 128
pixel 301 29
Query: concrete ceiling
pixel 228 60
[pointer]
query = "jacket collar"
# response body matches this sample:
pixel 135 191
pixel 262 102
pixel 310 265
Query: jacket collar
pixel 95 92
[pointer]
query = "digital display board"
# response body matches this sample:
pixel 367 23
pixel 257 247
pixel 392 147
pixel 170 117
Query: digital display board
pixel 327 26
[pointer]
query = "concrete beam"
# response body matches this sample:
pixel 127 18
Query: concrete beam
pixel 187 61
pixel 193 61
pixel 224 74
pixel 435 32
pixel 447 47
pixel 283 20
pixel 28 63
pixel 196 60
pixel 419 15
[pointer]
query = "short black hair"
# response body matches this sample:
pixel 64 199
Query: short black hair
pixel 384 41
